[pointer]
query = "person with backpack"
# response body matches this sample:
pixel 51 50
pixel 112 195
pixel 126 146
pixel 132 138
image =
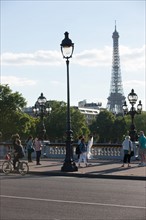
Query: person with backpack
pixel 83 152
pixel 29 146
pixel 78 152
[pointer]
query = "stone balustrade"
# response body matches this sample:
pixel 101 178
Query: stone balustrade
pixel 58 150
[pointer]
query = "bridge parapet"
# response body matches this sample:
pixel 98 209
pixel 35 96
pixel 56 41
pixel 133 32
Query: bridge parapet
pixel 58 150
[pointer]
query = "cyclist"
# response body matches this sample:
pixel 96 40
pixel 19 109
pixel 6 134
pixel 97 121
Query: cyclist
pixel 18 152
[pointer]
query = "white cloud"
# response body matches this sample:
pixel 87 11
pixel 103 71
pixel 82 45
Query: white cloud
pixel 94 57
pixel 17 81
pixel 40 57
pixel 132 59
pixel 56 83
pixel 134 83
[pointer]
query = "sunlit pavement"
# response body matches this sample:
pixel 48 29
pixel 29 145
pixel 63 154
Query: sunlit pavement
pixel 95 169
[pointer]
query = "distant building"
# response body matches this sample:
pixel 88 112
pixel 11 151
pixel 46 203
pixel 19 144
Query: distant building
pixel 28 110
pixel 90 110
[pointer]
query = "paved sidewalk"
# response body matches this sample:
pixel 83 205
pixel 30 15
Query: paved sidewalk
pixel 96 169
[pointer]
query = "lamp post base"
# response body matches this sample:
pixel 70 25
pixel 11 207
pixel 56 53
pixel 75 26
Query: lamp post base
pixel 69 166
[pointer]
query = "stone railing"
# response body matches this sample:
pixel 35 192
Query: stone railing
pixel 58 150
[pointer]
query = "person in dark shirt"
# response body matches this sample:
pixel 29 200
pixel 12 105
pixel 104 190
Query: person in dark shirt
pixel 18 152
pixel 83 154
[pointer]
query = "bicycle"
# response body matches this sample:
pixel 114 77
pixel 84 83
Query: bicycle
pixel 7 166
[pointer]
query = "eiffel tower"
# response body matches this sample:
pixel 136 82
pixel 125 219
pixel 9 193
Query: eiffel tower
pixel 116 97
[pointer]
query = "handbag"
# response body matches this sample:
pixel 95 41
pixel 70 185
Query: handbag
pixel 78 150
pixel 31 150
pixel 131 152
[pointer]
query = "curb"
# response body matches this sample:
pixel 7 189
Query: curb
pixel 84 175
pixel 87 175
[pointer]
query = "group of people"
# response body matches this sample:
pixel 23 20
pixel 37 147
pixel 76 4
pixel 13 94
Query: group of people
pixel 31 146
pixel 128 148
pixel 83 150
pixel 34 145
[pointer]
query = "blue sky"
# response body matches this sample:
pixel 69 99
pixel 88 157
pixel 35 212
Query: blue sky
pixel 31 61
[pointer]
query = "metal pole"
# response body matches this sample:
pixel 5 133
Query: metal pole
pixel 69 165
pixel 68 139
pixel 132 132
pixel 43 124
pixel 132 116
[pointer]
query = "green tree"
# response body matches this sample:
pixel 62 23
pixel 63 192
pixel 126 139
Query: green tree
pixel 56 122
pixel 103 126
pixel 139 121
pixel 118 130
pixel 110 128
pixel 12 119
pixel 79 124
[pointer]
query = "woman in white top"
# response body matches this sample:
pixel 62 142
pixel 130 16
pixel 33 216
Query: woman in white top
pixel 89 145
pixel 127 147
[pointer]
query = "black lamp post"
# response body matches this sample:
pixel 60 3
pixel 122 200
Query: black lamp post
pixel 40 109
pixel 67 48
pixel 132 97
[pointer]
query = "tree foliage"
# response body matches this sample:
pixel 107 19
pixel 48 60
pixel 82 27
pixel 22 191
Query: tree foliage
pixel 110 128
pixel 106 128
pixel 103 126
pixel 56 122
pixel 12 119
pixel 139 121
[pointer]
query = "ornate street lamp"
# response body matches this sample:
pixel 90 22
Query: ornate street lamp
pixel 67 48
pixel 132 98
pixel 41 110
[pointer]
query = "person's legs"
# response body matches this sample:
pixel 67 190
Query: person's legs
pixel 38 155
pixel 80 159
pixel 85 158
pixel 142 156
pixel 125 157
pixel 16 158
pixel 129 158
pixel 29 156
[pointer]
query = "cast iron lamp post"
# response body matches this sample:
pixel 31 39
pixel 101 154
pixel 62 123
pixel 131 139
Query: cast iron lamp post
pixel 67 48
pixel 40 109
pixel 132 97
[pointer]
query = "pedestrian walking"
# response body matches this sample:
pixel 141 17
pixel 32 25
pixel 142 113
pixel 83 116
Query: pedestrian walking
pixel 127 147
pixel 89 145
pixel 83 154
pixel 78 152
pixel 38 148
pixel 142 148
pixel 134 138
pixel 29 147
